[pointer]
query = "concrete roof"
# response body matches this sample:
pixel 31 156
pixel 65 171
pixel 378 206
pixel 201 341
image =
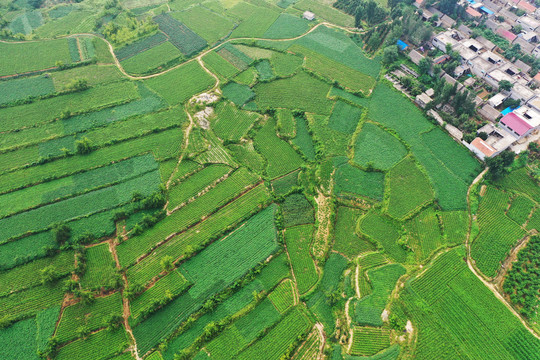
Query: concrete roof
pixel 497 99
pixel 489 112
pixel 529 115
pixel 486 43
pixel 415 56
pixel 522 92
pixel 499 75
pixel 521 65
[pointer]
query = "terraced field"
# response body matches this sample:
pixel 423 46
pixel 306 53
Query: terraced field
pixel 228 180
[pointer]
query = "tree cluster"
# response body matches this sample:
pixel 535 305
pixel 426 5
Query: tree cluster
pixel 363 11
pixel 522 282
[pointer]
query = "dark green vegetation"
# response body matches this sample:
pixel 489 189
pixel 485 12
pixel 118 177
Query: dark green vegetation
pixel 233 205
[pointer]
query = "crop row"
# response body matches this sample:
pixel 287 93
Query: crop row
pixel 91 316
pixel 186 216
pixel 283 296
pixel 298 241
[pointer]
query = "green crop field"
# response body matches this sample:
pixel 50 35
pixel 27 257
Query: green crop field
pixel 298 240
pixel 376 147
pixel 100 269
pixel 383 280
pixel 383 231
pixel 409 189
pixel 425 232
pixel 45 54
pixel 180 35
pixel 193 185
pixel 93 316
pixel 232 123
pixel 226 179
pixel 335 71
pixel 352 180
pixel 286 26
pixel 369 341
pixel 283 93
pixel 283 296
pixel 152 59
pixel 182 83
pixel 208 24
pixel 346 241
pixel 268 143
pixel 498 233
pixel 344 118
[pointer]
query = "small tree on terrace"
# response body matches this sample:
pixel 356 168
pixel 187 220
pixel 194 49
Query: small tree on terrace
pixel 167 263
pixel 48 274
pixel 84 146
pixel 505 85
pixel 61 233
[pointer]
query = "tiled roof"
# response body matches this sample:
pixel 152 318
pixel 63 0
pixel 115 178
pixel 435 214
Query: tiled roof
pixel 516 123
pixel 483 147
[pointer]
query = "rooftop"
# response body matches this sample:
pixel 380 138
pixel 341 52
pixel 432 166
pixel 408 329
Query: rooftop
pixel 473 12
pixel 483 147
pixel 516 123
pixel 506 34
pixel 528 7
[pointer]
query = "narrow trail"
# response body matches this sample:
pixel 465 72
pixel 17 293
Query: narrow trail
pixel 198 58
pixel 476 272
pixel 322 337
pixel 125 301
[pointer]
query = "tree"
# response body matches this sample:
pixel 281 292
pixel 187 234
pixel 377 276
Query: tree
pixel 448 6
pixel 84 146
pixel 167 263
pixel 83 331
pixel 505 85
pixel 425 65
pixel 390 54
pixel 498 166
pixel 48 274
pixel 77 85
pixel 113 321
pixel 516 29
pixel 61 233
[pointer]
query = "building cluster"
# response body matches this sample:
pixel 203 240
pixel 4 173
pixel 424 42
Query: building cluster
pixel 507 128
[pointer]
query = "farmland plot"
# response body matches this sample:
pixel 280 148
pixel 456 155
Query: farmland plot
pixel 378 148
pixel 384 232
pixel 298 241
pixel 180 35
pixel 93 316
pixel 369 341
pixel 22 89
pixel 208 24
pixel 346 241
pixel 409 189
pixel 383 280
pixel 351 180
pixel 45 54
pixel 99 267
pixel 232 123
pixel 269 144
pixel 452 320
pixel 498 233
pixel 216 267
pixel 283 93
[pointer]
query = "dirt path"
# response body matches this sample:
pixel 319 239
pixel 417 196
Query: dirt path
pixel 476 272
pixel 322 337
pixel 125 301
pixel 198 58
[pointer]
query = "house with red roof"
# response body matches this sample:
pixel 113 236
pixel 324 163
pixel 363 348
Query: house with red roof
pixel 528 7
pixel 521 122
pixel 506 34
pixel 473 13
